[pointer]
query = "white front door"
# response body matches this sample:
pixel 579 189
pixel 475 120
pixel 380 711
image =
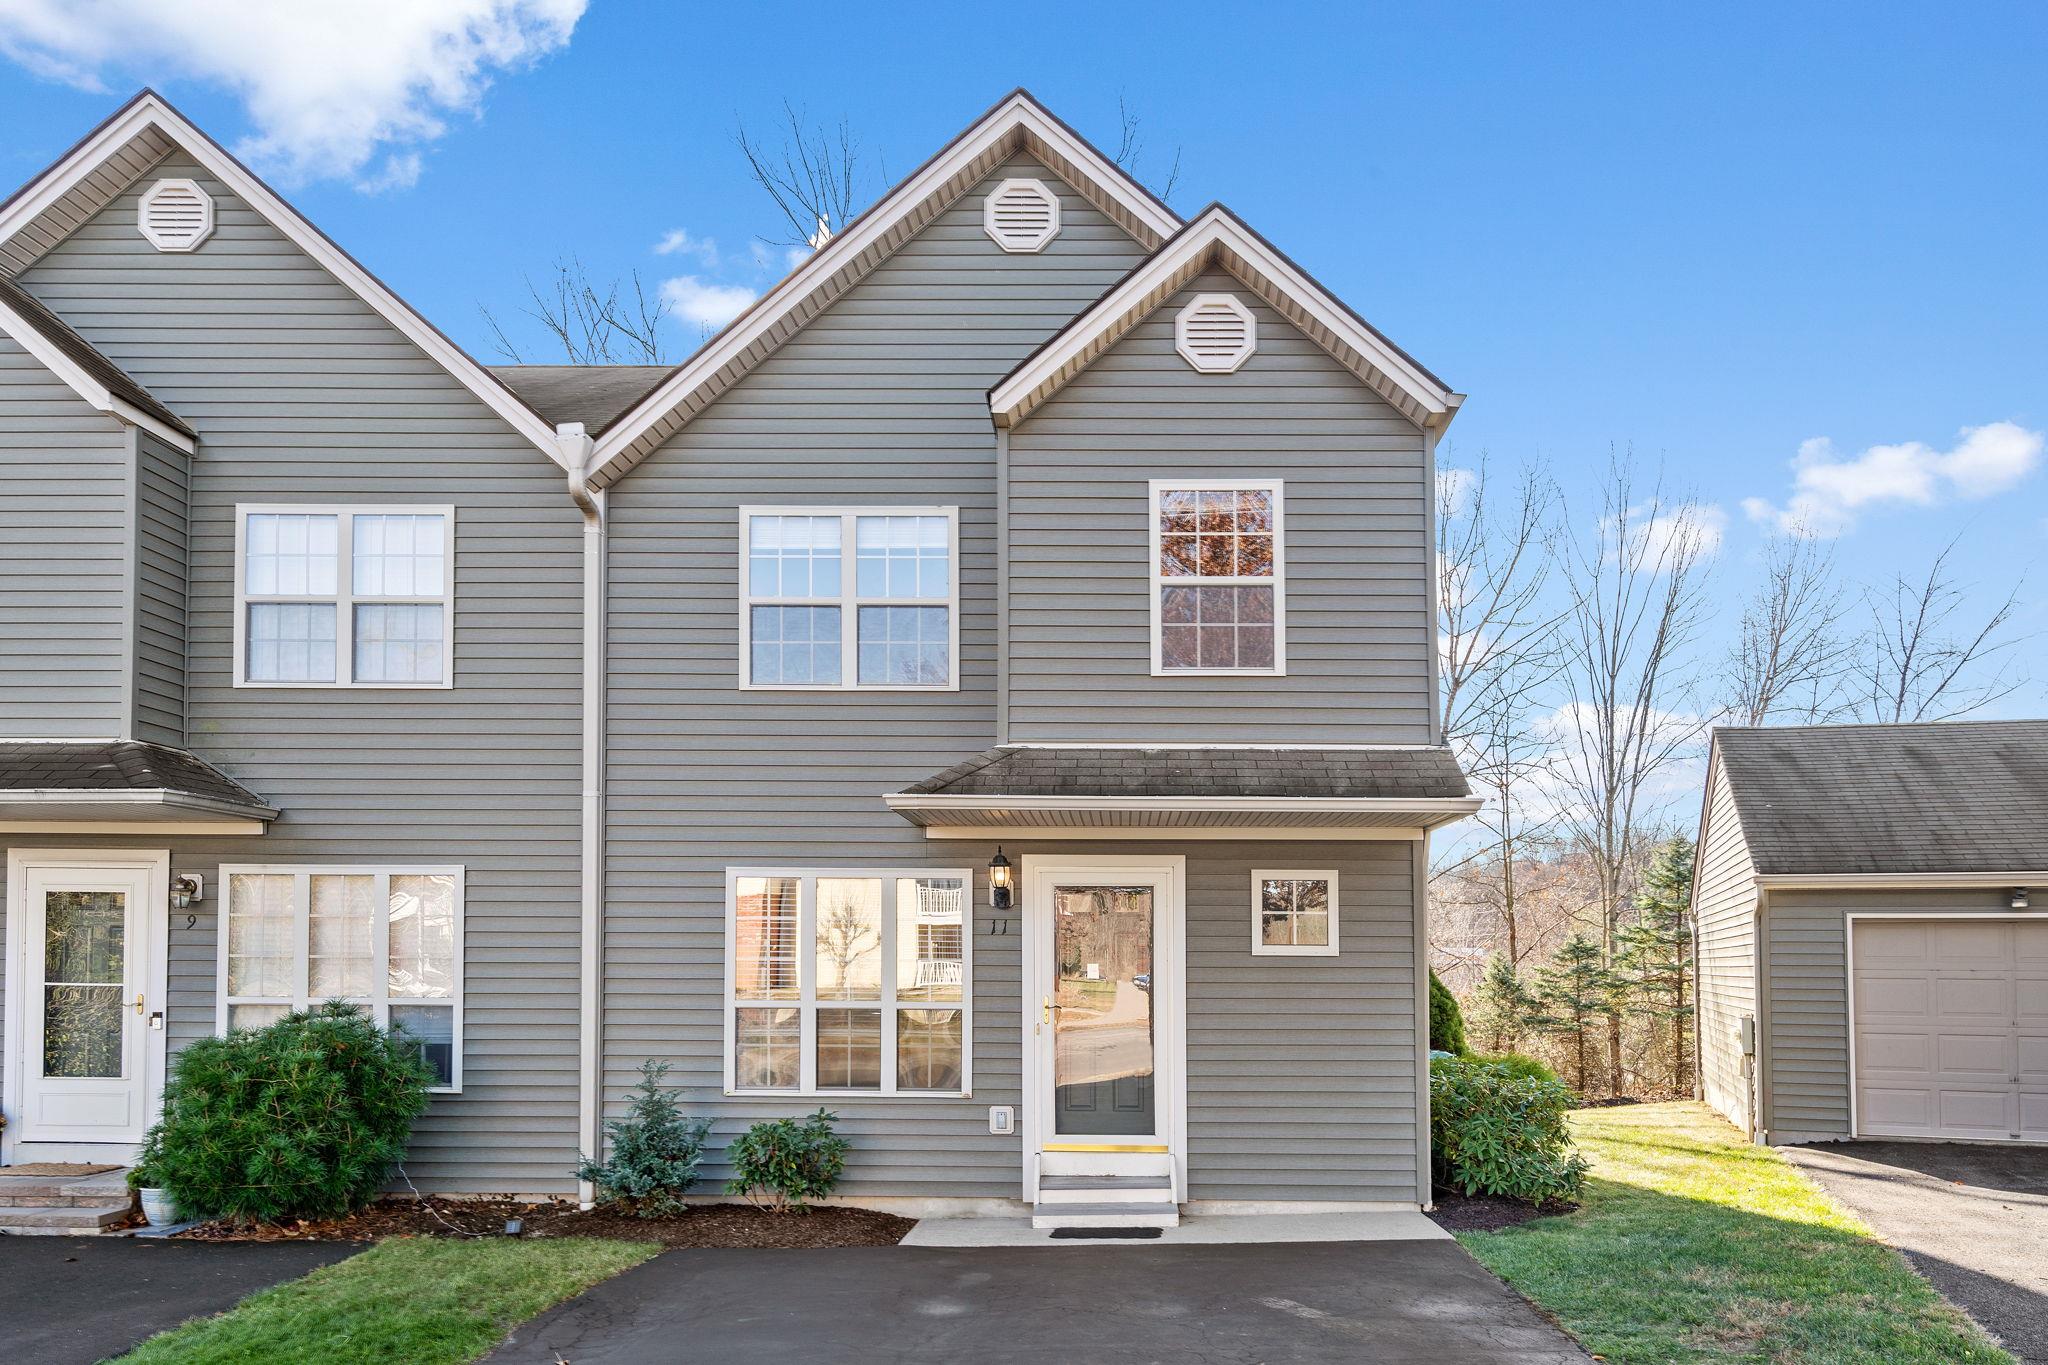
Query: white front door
pixel 1105 1012
pixel 85 996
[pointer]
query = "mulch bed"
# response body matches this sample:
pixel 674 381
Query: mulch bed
pixel 705 1225
pixel 1456 1212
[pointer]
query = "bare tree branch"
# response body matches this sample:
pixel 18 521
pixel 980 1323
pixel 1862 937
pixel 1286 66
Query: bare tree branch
pixel 1130 149
pixel 593 324
pixel 1789 655
pixel 813 178
pixel 1920 662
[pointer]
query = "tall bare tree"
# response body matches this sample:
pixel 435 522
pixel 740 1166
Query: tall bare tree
pixel 1637 585
pixel 595 324
pixel 1790 651
pixel 814 176
pixel 1130 150
pixel 1923 659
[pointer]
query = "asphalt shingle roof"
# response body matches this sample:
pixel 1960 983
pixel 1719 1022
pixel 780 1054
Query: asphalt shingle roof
pixel 119 765
pixel 1327 773
pixel 83 354
pixel 1958 796
pixel 595 395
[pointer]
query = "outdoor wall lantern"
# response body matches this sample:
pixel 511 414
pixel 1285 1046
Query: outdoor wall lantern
pixel 186 891
pixel 999 881
pixel 2019 898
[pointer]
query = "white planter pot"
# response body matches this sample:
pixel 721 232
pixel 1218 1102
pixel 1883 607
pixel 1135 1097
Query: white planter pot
pixel 156 1207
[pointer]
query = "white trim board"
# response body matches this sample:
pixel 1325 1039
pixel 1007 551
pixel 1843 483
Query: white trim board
pixel 1137 834
pixel 1879 881
pixel 150 113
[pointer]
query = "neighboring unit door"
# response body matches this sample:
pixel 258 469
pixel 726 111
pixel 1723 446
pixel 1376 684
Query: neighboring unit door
pixel 1950 1021
pixel 84 977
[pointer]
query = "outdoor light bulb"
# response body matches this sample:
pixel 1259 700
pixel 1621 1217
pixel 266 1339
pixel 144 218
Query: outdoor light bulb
pixel 2019 898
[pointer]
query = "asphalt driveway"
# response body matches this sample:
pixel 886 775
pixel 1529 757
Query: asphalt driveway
pixel 1972 1219
pixel 1388 1302
pixel 74 1300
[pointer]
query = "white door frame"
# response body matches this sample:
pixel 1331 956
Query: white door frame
pixel 1169 966
pixel 1849 992
pixel 156 926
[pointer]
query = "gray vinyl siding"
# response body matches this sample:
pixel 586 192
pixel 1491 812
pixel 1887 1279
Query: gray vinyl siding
pixel 1724 904
pixel 63 558
pixel 1806 966
pixel 162 479
pixel 882 400
pixel 302 394
pixel 1356 510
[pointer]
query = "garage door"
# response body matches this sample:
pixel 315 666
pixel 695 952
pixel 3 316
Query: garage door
pixel 1951 1028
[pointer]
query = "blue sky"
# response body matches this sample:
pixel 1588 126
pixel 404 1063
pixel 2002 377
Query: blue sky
pixel 1710 234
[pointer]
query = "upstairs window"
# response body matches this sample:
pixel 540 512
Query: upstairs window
pixel 1217 579
pixel 835 598
pixel 343 597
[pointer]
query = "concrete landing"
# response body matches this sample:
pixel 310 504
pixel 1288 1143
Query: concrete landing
pixel 1194 1230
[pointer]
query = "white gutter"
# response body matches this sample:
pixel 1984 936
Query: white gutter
pixel 1861 881
pixel 1396 805
pixel 576 449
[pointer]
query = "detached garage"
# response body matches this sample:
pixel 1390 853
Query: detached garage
pixel 1871 959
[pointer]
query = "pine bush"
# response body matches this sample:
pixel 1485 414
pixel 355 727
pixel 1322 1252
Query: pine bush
pixel 1446 1020
pixel 655 1151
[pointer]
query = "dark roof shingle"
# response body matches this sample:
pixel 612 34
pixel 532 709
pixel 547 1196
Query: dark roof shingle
pixel 1954 796
pixel 595 395
pixel 83 354
pixel 1345 774
pixel 115 765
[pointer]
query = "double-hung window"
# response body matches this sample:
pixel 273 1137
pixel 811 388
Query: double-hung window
pixel 1218 600
pixel 344 596
pixel 386 938
pixel 851 982
pixel 845 598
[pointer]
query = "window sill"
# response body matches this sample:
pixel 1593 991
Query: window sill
pixel 1159 672
pixel 737 1094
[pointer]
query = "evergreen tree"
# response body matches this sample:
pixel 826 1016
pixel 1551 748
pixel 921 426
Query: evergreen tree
pixel 1655 960
pixel 1574 991
pixel 1446 1020
pixel 1502 1006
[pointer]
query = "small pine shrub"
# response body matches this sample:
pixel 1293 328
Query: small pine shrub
pixel 304 1118
pixel 1446 1020
pixel 1493 1131
pixel 782 1164
pixel 1518 1064
pixel 655 1151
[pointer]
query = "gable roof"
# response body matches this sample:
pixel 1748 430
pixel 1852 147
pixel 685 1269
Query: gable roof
pixel 1216 237
pixel 97 779
pixel 145 131
pixel 595 395
pixel 73 359
pixel 1953 796
pixel 1017 124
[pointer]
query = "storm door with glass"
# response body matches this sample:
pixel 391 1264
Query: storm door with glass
pixel 1101 1009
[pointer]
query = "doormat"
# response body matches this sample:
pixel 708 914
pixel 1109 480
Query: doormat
pixel 62 1170
pixel 1103 1234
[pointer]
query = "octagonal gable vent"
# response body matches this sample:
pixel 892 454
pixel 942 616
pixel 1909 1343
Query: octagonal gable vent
pixel 176 215
pixel 1021 215
pixel 1216 333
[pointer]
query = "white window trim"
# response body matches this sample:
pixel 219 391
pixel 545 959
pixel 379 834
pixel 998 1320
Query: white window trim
pixel 380 977
pixel 807 1003
pixel 848 601
pixel 344 598
pixel 1263 949
pixel 1159 581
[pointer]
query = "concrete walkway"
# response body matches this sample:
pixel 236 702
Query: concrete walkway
pixel 1972 1218
pixel 1392 1303
pixel 74 1300
pixel 1194 1230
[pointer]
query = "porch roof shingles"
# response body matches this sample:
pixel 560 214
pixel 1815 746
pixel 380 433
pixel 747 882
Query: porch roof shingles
pixel 1305 774
pixel 103 768
pixel 1949 796
pixel 82 353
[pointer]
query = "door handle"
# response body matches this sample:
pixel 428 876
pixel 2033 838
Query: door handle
pixel 138 1002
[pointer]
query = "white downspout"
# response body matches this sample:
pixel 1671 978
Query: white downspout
pixel 576 447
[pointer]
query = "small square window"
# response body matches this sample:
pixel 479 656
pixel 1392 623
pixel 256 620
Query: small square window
pixel 1294 914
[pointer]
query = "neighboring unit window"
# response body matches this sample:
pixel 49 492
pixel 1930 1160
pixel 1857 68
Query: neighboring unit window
pixel 343 597
pixel 1294 914
pixel 888 620
pixel 388 940
pixel 1216 578
pixel 848 982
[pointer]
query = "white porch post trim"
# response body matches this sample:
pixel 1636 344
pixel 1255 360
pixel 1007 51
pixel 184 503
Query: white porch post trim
pixel 576 447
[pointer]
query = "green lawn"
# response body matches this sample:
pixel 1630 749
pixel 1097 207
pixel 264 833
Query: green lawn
pixel 1693 1245
pixel 422 1301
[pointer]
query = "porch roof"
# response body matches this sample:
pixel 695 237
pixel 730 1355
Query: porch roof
pixel 1304 793
pixel 93 782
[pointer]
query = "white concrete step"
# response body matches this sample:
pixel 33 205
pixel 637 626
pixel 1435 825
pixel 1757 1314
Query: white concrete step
pixel 1105 1189
pixel 69 1221
pixel 1105 1215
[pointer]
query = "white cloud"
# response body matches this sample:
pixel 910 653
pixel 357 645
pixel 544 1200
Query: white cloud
pixel 1829 490
pixel 1658 538
pixel 1454 489
pixel 335 90
pixel 703 303
pixel 681 241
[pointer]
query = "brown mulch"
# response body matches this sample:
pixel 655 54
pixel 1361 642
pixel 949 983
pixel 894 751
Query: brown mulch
pixel 704 1225
pixel 1456 1212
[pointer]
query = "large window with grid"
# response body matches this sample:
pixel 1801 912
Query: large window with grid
pixel 1218 581
pixel 386 938
pixel 344 596
pixel 854 982
pixel 846 598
